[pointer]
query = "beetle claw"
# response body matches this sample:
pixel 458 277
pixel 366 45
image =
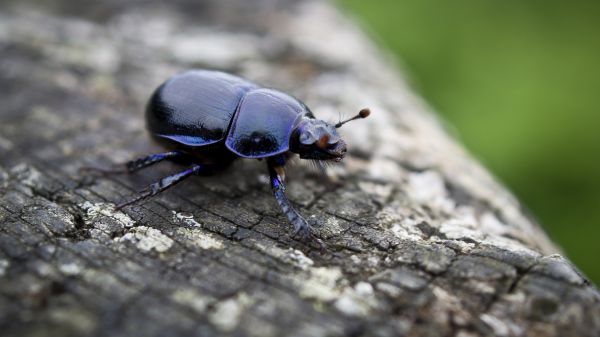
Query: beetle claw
pixel 321 244
pixel 307 236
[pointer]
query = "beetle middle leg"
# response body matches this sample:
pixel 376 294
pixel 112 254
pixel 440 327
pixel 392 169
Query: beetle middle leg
pixel 164 183
pixel 301 226
pixel 135 165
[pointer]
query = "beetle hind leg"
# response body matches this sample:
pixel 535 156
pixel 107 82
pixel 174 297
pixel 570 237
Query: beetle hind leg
pixel 163 184
pixel 134 165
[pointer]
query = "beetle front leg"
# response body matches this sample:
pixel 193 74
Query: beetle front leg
pixel 135 165
pixel 301 226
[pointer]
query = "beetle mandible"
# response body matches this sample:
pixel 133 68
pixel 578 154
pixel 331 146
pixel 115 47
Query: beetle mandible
pixel 209 118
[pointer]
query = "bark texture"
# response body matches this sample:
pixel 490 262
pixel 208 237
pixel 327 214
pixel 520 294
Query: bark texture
pixel 422 241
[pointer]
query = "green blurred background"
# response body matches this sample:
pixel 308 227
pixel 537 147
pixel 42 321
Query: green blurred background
pixel 520 81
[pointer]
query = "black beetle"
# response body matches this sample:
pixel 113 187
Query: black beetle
pixel 208 118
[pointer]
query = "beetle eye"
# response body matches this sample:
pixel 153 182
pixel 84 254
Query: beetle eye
pixel 307 138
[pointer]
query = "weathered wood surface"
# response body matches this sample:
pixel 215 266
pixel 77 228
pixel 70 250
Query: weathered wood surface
pixel 422 241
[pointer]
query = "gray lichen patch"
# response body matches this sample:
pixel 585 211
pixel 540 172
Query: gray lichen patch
pixel 226 314
pixel 329 226
pixel 186 218
pixel 147 239
pixel 4 264
pixel 327 285
pixel 322 284
pixel 299 259
pixel 447 308
pixel 287 256
pixel 501 327
pixel 403 277
pixel 70 268
pixel 429 188
pixel 359 300
pixel 199 238
pixel 95 210
pixel 193 298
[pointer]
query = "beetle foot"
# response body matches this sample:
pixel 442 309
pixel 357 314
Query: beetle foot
pixel 304 230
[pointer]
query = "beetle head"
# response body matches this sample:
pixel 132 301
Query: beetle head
pixel 316 139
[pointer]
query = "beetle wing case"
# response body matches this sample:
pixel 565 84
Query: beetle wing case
pixel 195 108
pixel 264 123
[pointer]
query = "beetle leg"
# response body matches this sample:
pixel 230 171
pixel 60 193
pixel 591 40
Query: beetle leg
pixel 163 184
pixel 134 165
pixel 301 226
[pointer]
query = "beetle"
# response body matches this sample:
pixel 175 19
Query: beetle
pixel 209 118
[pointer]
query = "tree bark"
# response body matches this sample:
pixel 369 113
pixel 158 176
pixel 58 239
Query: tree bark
pixel 422 241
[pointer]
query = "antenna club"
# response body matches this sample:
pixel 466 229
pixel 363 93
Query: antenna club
pixel 364 113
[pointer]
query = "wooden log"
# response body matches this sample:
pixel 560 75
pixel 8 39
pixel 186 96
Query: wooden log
pixel 422 240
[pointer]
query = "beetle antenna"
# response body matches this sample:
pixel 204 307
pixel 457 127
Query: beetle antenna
pixel 364 113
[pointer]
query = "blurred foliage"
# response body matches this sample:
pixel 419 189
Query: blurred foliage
pixel 520 80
